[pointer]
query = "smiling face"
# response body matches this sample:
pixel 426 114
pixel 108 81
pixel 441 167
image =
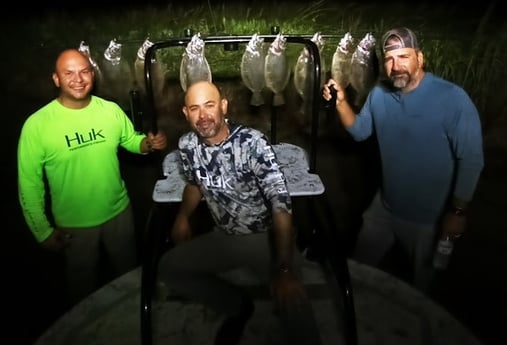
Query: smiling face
pixel 404 67
pixel 205 111
pixel 74 77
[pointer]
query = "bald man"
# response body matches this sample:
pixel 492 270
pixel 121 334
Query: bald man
pixel 73 141
pixel 235 170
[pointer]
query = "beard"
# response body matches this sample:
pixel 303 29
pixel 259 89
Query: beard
pixel 206 129
pixel 400 80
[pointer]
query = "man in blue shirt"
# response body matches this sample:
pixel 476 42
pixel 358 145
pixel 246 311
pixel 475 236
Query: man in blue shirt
pixel 430 142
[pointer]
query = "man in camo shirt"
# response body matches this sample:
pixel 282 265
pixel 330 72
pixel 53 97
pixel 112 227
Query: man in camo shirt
pixel 235 170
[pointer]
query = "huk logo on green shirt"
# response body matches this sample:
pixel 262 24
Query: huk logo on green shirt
pixel 79 139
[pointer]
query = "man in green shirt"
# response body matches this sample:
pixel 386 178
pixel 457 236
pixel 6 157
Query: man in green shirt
pixel 72 142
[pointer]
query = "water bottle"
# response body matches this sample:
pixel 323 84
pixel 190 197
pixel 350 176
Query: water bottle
pixel 443 253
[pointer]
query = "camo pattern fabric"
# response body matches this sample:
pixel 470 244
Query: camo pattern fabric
pixel 240 179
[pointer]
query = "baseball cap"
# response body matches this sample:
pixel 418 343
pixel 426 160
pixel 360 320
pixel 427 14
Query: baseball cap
pixel 399 38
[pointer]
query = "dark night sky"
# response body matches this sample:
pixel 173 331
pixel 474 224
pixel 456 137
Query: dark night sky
pixel 65 4
pixel 55 5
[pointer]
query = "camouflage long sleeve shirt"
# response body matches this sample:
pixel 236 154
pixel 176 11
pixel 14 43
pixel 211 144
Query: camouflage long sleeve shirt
pixel 240 179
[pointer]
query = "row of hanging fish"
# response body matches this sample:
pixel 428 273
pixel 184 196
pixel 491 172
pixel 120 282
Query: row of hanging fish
pixel 261 69
pixel 115 76
pixel 353 66
pixel 258 69
pixel 356 67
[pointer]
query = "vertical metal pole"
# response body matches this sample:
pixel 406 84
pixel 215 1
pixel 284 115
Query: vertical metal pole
pixel 150 98
pixel 314 50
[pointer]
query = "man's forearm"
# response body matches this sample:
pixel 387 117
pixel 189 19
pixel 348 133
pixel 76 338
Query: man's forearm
pixel 283 237
pixel 34 214
pixel 345 112
pixel 146 145
pixel 191 198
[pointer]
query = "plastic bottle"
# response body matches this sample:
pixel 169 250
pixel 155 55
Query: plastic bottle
pixel 443 253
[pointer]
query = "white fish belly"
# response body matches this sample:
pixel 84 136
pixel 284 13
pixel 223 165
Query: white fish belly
pixel 252 72
pixel 193 70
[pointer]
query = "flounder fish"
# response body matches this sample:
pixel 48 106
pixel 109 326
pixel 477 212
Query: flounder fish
pixel 117 79
pixel 194 65
pixel 340 64
pixel 157 73
pixel 319 40
pixel 252 69
pixel 113 52
pixel 364 68
pixel 304 71
pixel 85 49
pixel 276 69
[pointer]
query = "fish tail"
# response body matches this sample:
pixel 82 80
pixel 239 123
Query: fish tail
pixel 278 99
pixel 257 99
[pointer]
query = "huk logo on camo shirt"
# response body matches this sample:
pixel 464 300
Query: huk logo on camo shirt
pixel 218 182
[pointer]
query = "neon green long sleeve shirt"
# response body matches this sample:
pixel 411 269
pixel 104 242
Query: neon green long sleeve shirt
pixel 77 149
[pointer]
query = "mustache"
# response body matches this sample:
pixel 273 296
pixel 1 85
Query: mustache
pixel 204 122
pixel 398 73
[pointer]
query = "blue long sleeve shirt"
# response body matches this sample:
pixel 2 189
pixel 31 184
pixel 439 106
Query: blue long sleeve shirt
pixel 430 143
